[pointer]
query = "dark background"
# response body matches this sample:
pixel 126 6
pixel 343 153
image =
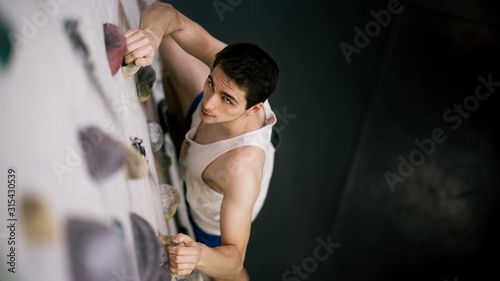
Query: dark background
pixel 344 125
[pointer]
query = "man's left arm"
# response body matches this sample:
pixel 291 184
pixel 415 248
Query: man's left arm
pixel 240 195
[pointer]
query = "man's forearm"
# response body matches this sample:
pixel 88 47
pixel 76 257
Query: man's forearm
pixel 160 19
pixel 220 262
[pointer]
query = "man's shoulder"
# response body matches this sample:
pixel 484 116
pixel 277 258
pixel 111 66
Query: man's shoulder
pixel 238 165
pixel 242 157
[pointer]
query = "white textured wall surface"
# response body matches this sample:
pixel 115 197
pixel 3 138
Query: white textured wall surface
pixel 47 96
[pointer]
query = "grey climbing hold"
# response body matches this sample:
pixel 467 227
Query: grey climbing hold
pixel 147 249
pixel 104 156
pixel 170 200
pixel 96 253
pixel 146 77
pixel 155 135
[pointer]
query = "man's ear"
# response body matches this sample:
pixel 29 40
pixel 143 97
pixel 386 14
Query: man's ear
pixel 254 109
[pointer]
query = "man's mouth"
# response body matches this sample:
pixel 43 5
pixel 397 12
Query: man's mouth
pixel 206 113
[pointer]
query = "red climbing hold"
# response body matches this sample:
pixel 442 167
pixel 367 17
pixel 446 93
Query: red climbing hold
pixel 115 46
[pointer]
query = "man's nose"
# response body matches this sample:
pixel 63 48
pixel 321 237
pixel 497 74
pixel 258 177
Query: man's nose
pixel 211 101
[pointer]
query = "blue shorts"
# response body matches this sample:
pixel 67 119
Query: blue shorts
pixel 201 236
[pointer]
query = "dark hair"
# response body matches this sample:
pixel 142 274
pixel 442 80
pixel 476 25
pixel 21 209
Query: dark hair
pixel 251 68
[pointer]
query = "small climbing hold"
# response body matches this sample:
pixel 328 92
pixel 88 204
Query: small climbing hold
pixel 165 161
pixel 5 44
pixel 155 135
pixel 143 92
pixel 115 46
pixel 129 70
pixel 167 241
pixel 104 156
pixel 170 200
pixel 147 75
pixel 135 163
pixel 36 218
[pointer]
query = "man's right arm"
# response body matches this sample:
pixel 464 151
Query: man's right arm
pixel 160 20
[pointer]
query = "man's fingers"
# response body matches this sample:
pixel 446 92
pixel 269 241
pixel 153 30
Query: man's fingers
pixel 182 260
pixel 179 238
pixel 143 62
pixel 182 251
pixel 181 268
pixel 181 271
pixel 143 55
pixel 139 48
pixel 131 32
pixel 137 40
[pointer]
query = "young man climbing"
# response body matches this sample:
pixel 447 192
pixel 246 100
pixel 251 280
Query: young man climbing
pixel 227 155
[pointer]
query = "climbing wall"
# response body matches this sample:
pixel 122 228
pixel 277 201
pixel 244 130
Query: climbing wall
pixel 69 184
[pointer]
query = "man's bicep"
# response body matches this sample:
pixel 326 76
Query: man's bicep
pixel 236 215
pixel 196 41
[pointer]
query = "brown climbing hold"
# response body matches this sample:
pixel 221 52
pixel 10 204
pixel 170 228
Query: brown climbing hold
pixel 37 220
pixel 129 70
pixel 143 92
pixel 136 165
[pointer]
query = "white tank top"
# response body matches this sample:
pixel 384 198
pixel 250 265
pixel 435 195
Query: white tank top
pixel 204 202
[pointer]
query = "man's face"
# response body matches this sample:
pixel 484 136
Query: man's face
pixel 223 100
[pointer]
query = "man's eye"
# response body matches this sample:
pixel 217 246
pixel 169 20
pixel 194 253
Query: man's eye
pixel 210 84
pixel 227 100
